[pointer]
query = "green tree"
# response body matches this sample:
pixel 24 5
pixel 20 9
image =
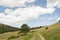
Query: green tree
pixel 25 28
pixel 40 26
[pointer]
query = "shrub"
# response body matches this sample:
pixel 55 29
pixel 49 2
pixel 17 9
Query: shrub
pixel 40 26
pixel 46 28
pixel 59 20
pixel 11 37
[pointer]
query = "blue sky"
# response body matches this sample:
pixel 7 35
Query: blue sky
pixel 41 20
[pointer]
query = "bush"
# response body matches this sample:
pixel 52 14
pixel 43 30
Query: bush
pixel 19 32
pixel 59 20
pixel 40 26
pixel 11 37
pixel 46 28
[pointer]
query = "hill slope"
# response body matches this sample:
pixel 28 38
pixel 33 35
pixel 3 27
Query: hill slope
pixel 6 28
pixel 52 33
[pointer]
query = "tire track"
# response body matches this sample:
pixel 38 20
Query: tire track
pixel 42 38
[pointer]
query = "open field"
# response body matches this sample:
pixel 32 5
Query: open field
pixel 52 33
pixel 14 35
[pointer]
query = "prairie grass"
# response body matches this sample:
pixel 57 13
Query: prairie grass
pixel 52 33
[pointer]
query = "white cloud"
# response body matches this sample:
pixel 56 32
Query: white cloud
pixel 22 15
pixel 53 3
pixel 14 3
pixel 50 18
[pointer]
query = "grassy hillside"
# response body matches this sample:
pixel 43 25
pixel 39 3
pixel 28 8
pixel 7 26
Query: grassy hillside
pixel 16 36
pixel 52 33
pixel 6 28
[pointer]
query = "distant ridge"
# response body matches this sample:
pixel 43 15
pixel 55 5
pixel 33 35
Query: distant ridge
pixel 6 28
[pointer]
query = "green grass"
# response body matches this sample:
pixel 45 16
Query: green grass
pixel 25 37
pixel 52 33
pixel 13 35
pixel 37 37
pixel 5 36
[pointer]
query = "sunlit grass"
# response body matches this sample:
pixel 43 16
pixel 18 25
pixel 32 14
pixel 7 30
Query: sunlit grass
pixel 52 33
pixel 13 36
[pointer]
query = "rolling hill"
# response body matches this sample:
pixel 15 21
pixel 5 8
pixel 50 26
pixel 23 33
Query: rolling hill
pixel 52 33
pixel 6 28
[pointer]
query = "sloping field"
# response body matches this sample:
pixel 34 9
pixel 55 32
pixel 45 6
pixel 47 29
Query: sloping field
pixel 5 28
pixel 52 33
pixel 16 36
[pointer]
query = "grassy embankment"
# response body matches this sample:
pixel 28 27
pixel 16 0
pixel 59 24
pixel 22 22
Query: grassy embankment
pixel 52 33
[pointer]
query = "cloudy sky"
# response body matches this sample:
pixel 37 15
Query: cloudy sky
pixel 32 12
